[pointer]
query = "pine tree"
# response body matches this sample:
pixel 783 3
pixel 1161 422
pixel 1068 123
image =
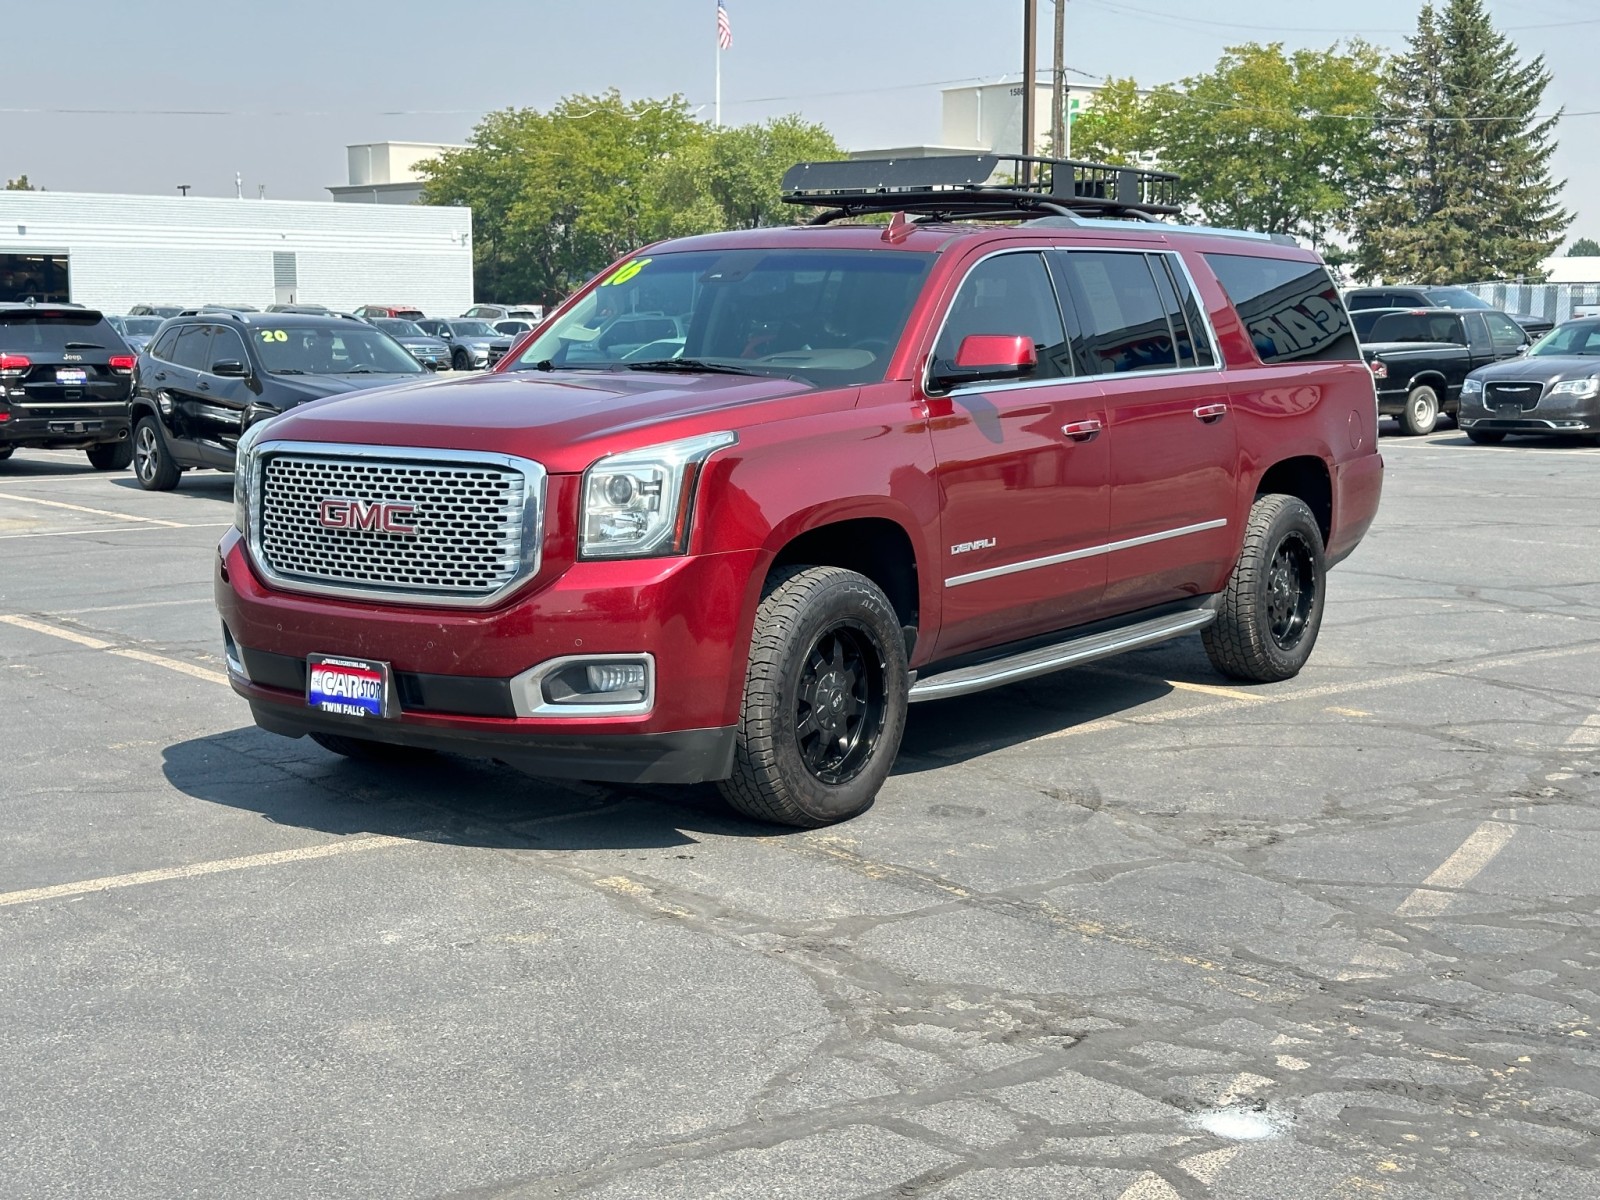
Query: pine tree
pixel 1469 196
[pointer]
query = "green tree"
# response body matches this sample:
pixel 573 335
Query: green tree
pixel 1467 193
pixel 1275 141
pixel 558 195
pixel 20 184
pixel 1119 128
pixel 1584 247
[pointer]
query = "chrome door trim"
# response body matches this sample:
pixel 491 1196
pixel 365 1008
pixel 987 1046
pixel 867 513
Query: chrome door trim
pixel 1052 560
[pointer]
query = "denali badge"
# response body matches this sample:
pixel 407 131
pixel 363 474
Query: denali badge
pixel 964 547
pixel 388 516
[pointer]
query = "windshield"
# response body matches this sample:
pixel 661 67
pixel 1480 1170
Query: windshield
pixel 825 316
pixel 398 328
pixel 1575 337
pixel 471 329
pixel 346 349
pixel 1457 298
pixel 141 326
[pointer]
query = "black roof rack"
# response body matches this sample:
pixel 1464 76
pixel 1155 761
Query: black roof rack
pixel 986 186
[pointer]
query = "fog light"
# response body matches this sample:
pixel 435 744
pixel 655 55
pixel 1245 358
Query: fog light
pixel 619 677
pixel 230 653
pixel 587 685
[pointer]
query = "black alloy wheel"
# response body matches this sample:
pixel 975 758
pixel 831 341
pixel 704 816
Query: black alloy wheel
pixel 840 704
pixel 459 361
pixel 1291 591
pixel 1270 613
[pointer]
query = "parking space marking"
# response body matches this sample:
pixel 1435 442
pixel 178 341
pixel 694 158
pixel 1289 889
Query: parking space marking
pixel 106 883
pixel 164 525
pixel 1587 734
pixel 99 512
pixel 107 608
pixel 1460 869
pixel 92 643
pixel 1202 1168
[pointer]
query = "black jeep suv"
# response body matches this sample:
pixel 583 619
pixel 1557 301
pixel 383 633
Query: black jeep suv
pixel 207 378
pixel 65 378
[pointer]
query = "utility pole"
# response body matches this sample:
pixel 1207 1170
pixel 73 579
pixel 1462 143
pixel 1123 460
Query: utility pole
pixel 1030 64
pixel 1059 117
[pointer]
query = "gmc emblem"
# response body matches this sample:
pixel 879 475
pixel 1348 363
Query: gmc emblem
pixel 386 516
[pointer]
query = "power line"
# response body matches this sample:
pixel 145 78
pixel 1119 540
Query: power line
pixel 1183 20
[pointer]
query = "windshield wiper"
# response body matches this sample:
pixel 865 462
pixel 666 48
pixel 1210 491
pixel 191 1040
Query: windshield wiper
pixel 289 371
pixel 698 366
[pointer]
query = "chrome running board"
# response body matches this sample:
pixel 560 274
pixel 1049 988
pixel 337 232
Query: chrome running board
pixel 980 676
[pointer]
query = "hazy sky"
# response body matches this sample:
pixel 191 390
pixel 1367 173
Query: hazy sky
pixel 285 84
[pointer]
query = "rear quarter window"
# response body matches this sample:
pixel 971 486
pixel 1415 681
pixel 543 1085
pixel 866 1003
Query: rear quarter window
pixel 1291 308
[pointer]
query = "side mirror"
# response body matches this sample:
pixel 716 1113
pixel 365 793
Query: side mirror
pixel 230 369
pixel 988 356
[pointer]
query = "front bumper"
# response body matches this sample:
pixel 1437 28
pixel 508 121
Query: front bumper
pixel 454 668
pixel 63 427
pixel 1552 414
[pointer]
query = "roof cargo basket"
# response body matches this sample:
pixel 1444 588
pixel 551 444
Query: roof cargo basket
pixel 988 186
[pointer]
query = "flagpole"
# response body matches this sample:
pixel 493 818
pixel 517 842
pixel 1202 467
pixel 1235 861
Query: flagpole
pixel 716 120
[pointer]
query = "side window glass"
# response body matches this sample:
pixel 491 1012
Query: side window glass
pixel 1009 294
pixel 1188 326
pixel 194 345
pixel 1507 334
pixel 1123 321
pixel 1478 334
pixel 1290 307
pixel 227 346
pixel 163 348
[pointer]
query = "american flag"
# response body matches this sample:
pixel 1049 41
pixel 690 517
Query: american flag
pixel 724 30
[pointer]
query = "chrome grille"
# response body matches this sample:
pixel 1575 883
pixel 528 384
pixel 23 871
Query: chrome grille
pixel 1513 395
pixel 476 523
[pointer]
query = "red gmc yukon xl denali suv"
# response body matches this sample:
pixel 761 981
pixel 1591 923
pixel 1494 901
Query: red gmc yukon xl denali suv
pixel 746 496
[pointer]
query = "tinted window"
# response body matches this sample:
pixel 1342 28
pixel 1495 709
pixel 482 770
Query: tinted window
pixel 163 347
pixel 227 346
pixel 1509 337
pixel 1122 318
pixel 52 330
pixel 1188 326
pixel 1575 337
pixel 395 327
pixel 1291 309
pixel 1477 334
pixel 1009 294
pixel 141 326
pixel 194 347
pixel 1421 326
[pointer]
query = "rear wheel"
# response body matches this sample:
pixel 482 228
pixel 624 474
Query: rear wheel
pixel 366 750
pixel 113 456
pixel 824 700
pixel 1421 412
pixel 1485 437
pixel 6 452
pixel 1271 610
pixel 152 464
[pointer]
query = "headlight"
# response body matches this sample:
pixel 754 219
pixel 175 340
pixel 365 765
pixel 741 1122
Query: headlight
pixel 641 503
pixel 244 467
pixel 1471 387
pixel 1581 388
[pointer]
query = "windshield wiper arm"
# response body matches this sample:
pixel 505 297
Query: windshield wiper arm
pixel 698 366
pixel 289 371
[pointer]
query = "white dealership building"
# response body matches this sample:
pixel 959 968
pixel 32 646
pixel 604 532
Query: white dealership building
pixel 111 252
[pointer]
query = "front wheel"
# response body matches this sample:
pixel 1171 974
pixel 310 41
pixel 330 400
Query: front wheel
pixel 6 452
pixel 152 464
pixel 824 700
pixel 1485 437
pixel 113 456
pixel 1421 412
pixel 1271 610
pixel 459 361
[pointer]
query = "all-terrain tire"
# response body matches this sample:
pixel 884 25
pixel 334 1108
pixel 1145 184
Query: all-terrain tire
pixel 152 461
pixel 824 700
pixel 1271 610
pixel 1486 437
pixel 111 456
pixel 1421 413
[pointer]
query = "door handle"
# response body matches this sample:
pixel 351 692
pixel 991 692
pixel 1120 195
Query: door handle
pixel 1211 412
pixel 1083 431
pixel 204 386
pixel 160 375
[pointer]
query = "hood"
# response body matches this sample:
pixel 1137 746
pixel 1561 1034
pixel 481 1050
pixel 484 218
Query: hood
pixel 300 389
pixel 1545 368
pixel 564 420
pixel 424 343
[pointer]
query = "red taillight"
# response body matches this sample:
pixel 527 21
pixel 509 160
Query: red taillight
pixel 1380 369
pixel 14 364
pixel 122 364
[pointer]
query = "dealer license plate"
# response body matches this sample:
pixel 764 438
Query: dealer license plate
pixel 347 687
pixel 72 376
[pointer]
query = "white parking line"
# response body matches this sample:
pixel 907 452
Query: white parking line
pixel 153 528
pixel 1587 734
pixel 1460 869
pixel 245 862
pixel 99 512
pixel 92 643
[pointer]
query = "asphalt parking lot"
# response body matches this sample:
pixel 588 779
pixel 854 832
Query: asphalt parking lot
pixel 1129 932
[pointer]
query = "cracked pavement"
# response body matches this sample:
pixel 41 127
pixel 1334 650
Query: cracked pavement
pixel 1130 931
